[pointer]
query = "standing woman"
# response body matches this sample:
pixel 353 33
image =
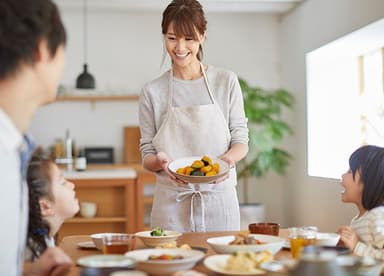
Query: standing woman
pixel 193 109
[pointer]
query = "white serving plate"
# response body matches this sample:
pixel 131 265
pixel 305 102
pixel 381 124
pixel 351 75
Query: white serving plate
pixel 165 267
pixel 153 241
pixel 217 263
pixel 221 244
pixel 109 260
pixel 187 161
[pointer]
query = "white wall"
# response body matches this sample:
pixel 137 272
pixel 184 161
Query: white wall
pixel 125 51
pixel 313 24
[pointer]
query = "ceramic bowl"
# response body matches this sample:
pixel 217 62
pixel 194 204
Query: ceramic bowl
pixel 327 239
pixel 266 228
pixel 88 209
pixel 221 244
pixel 153 241
pixel 360 266
pixel 187 161
pixel 165 267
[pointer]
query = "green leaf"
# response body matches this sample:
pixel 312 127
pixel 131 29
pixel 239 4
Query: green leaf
pixel 267 130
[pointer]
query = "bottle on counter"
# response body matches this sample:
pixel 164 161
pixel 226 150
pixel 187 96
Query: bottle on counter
pixel 68 144
pixel 81 161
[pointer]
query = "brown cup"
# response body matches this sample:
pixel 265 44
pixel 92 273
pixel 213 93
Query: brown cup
pixel 266 228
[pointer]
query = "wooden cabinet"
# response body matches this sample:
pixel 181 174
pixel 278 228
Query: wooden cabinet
pixel 121 202
pixel 144 203
pixel 116 205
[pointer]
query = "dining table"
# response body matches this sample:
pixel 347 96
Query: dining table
pixel 70 245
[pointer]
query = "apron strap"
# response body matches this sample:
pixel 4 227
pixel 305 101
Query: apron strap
pixel 206 83
pixel 193 194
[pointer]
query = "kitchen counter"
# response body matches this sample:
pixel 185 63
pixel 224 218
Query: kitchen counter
pixel 112 173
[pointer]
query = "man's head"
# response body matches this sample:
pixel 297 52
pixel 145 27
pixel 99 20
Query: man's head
pixel 24 24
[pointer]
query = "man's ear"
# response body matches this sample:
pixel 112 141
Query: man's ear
pixel 42 52
pixel 46 207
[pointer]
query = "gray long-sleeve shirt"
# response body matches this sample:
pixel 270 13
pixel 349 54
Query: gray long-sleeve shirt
pixel 224 86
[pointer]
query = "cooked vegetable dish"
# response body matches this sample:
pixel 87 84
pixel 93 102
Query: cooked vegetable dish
pixel 157 231
pixel 163 257
pixel 202 167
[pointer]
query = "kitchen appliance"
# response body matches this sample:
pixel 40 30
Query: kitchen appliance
pixel 99 155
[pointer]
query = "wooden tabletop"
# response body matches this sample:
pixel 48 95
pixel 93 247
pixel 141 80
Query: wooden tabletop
pixel 69 245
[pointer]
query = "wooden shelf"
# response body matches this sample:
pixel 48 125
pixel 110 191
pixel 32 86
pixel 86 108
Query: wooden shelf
pixel 116 206
pixel 96 220
pixel 89 98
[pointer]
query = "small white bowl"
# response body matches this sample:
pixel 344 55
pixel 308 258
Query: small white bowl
pixel 355 265
pixel 98 238
pixel 88 209
pixel 327 239
pixel 221 244
pixel 165 267
pixel 153 241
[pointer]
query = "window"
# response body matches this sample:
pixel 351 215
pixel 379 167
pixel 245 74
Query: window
pixel 345 99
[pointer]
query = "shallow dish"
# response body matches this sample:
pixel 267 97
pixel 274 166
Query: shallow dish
pixel 153 241
pixel 187 161
pixel 340 250
pixel 165 267
pixel 217 264
pixel 327 239
pixel 221 244
pixel 106 261
pixel 360 266
pixel 98 238
pixel 86 245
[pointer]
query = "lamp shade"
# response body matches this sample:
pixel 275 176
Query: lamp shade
pixel 85 80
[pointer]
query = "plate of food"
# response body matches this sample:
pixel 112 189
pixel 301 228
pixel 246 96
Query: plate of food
pixel 238 263
pixel 157 236
pixel 246 242
pixel 198 169
pixel 165 261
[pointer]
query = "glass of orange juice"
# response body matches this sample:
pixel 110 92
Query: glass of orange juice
pixel 300 237
pixel 118 243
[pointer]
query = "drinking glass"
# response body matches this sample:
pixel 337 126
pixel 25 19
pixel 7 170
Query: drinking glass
pixel 300 237
pixel 118 243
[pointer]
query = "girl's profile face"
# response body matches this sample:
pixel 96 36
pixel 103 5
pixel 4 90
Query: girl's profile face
pixel 182 50
pixel 353 188
pixel 65 204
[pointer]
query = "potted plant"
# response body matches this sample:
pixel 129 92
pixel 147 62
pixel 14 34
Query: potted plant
pixel 267 128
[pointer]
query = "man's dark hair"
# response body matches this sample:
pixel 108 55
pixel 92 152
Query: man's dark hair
pixel 23 25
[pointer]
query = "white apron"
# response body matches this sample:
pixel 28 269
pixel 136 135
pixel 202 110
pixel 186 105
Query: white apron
pixel 194 131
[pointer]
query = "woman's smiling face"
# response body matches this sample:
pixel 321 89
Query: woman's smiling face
pixel 182 50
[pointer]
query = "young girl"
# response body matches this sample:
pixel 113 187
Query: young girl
pixel 363 185
pixel 51 201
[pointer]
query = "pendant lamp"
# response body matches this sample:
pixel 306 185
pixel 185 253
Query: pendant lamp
pixel 85 80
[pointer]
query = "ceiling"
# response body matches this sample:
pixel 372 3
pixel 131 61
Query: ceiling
pixel 248 6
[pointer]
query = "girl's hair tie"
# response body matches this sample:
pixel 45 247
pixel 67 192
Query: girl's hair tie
pixel 40 232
